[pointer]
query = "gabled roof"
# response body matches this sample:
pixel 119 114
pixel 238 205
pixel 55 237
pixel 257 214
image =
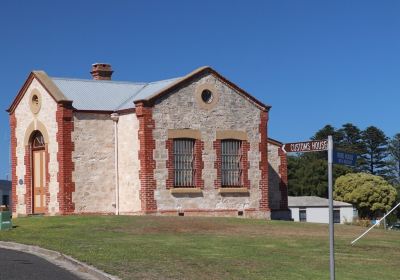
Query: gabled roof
pixel 313 201
pixel 101 95
pixel 46 82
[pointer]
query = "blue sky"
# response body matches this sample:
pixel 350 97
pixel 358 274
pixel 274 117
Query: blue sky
pixel 316 62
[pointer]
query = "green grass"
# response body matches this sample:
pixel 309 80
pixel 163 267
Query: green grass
pixel 212 248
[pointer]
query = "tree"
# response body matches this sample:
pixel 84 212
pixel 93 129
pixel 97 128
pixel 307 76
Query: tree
pixel 351 139
pixel 352 142
pixel 376 151
pixel 372 195
pixel 308 175
pixel 394 151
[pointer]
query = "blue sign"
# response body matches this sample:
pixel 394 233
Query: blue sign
pixel 344 158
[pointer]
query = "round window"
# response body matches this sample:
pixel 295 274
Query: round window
pixel 35 102
pixel 207 96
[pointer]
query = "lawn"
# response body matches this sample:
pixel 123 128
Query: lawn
pixel 135 247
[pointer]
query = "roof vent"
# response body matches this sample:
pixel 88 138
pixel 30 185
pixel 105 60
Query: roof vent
pixel 101 71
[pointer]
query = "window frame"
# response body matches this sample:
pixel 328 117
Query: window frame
pixel 336 217
pixel 231 177
pixel 182 165
pixel 303 219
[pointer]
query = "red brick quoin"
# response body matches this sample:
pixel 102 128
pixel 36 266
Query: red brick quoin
pixel 198 163
pixel 283 182
pixel 65 122
pixel 147 145
pixel 14 182
pixel 28 180
pixel 264 203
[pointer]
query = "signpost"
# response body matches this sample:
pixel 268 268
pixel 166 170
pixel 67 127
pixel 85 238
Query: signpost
pixel 331 224
pixel 316 146
pixel 344 158
pixel 309 146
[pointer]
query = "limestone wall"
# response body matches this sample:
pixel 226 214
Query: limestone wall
pixel 274 177
pixel 181 110
pixel 45 119
pixel 93 138
pixel 128 147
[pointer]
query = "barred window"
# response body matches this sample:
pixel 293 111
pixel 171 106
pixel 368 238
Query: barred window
pixel 184 162
pixel 231 168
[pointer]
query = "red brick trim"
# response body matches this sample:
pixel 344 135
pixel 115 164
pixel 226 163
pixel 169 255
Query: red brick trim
pixel 13 146
pixel 46 187
pixel 198 163
pixel 28 179
pixel 147 145
pixel 283 182
pixel 169 145
pixel 65 123
pixel 263 146
pixel 245 164
pixel 218 163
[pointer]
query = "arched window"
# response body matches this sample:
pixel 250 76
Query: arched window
pixel 37 140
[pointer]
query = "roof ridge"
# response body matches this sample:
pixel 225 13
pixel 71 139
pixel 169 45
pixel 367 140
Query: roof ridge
pixel 113 81
pixel 145 86
pixel 99 81
pixel 130 97
pixel 166 80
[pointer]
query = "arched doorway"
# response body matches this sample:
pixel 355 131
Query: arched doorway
pixel 39 172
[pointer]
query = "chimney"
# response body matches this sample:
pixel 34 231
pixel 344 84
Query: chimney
pixel 101 71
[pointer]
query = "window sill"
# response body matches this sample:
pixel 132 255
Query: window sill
pixel 185 190
pixel 233 190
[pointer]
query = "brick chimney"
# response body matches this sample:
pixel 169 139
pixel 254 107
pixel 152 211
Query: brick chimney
pixel 101 71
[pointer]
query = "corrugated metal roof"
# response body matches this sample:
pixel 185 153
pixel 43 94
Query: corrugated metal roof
pixel 107 95
pixel 147 91
pixel 313 201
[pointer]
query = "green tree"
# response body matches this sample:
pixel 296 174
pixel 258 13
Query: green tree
pixel 371 195
pixel 351 139
pixel 308 175
pixel 352 142
pixel 394 151
pixel 376 151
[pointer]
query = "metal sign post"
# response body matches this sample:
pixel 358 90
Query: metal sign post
pixel 331 224
pixel 341 158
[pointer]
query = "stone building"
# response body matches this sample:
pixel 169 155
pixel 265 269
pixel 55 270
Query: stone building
pixel 194 145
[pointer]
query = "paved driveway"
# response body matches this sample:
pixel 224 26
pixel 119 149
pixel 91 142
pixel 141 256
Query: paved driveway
pixel 20 266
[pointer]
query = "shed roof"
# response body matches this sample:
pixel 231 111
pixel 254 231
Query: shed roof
pixel 313 201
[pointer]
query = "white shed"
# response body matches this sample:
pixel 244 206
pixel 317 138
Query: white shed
pixel 315 209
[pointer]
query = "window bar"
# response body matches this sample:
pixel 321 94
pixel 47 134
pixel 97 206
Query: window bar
pixel 183 160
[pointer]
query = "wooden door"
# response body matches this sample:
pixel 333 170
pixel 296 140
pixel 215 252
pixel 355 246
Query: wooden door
pixel 39 181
